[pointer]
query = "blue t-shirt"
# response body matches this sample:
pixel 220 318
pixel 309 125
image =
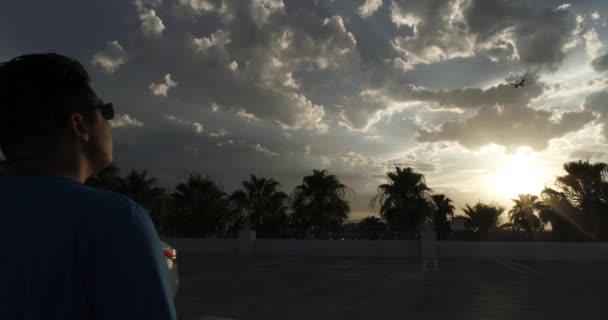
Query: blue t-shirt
pixel 69 251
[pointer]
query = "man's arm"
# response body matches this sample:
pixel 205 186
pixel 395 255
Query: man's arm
pixel 126 275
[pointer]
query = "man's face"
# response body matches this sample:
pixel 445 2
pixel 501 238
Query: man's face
pixel 100 141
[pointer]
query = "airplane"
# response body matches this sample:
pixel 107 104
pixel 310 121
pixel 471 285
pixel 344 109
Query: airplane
pixel 520 84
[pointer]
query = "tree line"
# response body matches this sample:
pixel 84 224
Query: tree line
pixel 575 206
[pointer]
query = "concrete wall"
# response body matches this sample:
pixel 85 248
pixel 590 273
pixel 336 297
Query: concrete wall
pixel 337 248
pixel 203 246
pixel 541 251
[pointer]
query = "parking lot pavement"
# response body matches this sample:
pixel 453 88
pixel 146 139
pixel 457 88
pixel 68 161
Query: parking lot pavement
pixel 233 287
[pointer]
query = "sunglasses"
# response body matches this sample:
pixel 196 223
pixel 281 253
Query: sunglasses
pixel 106 110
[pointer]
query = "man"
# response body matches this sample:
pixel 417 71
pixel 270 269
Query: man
pixel 68 251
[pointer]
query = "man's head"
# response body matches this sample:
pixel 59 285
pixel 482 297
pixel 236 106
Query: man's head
pixel 49 113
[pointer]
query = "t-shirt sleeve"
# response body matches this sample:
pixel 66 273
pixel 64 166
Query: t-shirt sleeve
pixel 126 275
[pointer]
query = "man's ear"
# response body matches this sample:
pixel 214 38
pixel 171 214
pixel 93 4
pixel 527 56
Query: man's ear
pixel 79 127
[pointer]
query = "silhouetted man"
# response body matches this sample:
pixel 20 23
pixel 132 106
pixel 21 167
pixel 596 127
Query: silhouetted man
pixel 68 251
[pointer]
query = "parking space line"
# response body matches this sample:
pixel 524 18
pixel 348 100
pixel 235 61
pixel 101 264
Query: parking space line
pixel 349 263
pixel 596 266
pixel 512 267
pixel 523 267
pixel 275 262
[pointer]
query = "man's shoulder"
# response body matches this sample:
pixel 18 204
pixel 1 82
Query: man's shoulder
pixel 112 209
pixel 107 200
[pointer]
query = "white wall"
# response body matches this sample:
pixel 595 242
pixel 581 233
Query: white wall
pixel 362 248
pixel 203 246
pixel 561 251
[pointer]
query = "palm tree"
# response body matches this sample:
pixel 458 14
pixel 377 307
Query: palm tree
pixel 108 178
pixel 483 218
pixel 522 214
pixel 581 196
pixel 404 201
pixel 372 228
pixel 443 213
pixel 259 205
pixel 143 190
pixel 565 219
pixel 201 208
pixel 585 183
pixel 319 205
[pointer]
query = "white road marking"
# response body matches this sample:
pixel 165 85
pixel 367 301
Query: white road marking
pixel 516 269
pixel 349 264
pixel 217 318
pixel 275 262
pixel 597 266
pixel 521 266
pixel 426 263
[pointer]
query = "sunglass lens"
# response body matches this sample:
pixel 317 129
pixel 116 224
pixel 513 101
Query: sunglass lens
pixel 107 113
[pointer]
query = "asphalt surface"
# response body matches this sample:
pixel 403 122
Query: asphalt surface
pixel 232 287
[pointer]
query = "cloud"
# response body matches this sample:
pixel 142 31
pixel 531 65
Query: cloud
pixel 540 37
pixel 258 49
pixel 417 166
pixel 363 111
pixel 196 126
pixel 438 30
pixel 151 24
pixel 511 127
pixel 368 7
pixel 219 38
pixel 201 5
pixel 233 66
pixel 191 10
pixel 600 63
pixel 111 58
pixel 354 159
pixel 503 94
pixel 588 155
pixel 220 133
pixel 261 10
pixel 163 88
pixel 593 45
pixel 597 103
pixel 258 147
pixel 125 120
pixel 595 15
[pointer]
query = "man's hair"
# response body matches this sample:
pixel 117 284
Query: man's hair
pixel 36 90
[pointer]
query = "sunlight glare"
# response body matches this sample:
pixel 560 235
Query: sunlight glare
pixel 520 173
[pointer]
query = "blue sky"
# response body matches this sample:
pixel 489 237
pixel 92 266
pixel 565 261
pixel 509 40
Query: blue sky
pixel 277 88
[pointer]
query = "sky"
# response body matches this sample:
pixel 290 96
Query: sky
pixel 277 88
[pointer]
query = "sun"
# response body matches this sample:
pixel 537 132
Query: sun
pixel 520 173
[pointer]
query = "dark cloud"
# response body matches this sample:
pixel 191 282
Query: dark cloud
pixel 539 37
pixel 588 155
pixel 597 103
pixel 361 110
pixel 600 63
pixel 502 30
pixel 256 51
pixel 502 94
pixel 438 34
pixel 511 127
